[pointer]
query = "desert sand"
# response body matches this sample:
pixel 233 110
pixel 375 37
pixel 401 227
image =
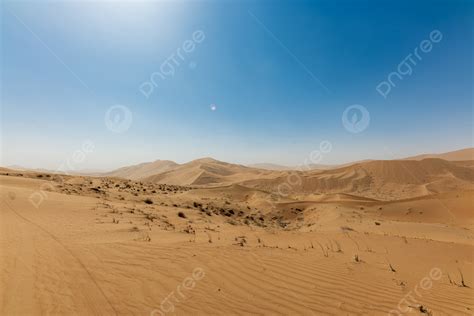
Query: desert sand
pixel 213 238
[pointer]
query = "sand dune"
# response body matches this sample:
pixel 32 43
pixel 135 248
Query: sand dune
pixel 271 166
pixel 458 155
pixel 466 154
pixel 207 171
pixel 385 180
pixel 88 251
pixel 211 238
pixel 143 170
pixel 377 179
pixel 275 167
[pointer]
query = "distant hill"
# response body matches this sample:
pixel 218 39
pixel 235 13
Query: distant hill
pixel 208 171
pixel 374 179
pixel 458 155
pixel 378 179
pixel 270 166
pixel 143 170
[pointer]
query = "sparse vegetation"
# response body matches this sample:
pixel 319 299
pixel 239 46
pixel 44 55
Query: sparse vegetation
pixel 424 310
pixel 323 250
pixel 391 267
pixel 346 228
pixel 144 236
pixel 462 279
pixel 209 238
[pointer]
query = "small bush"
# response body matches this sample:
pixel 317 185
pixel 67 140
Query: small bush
pixel 181 214
pixel 148 201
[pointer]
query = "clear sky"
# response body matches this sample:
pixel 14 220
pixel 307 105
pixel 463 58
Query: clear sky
pixel 240 81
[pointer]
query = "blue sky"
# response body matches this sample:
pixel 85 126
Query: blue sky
pixel 280 74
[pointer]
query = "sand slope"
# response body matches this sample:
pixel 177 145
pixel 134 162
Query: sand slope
pixel 90 252
pixel 372 238
pixel 458 155
pixel 385 180
pixel 207 171
pixel 143 170
pixel 377 179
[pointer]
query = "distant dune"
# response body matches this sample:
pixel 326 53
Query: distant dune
pixel 270 166
pixel 142 170
pixel 375 179
pixel 380 179
pixel 458 155
pixel 275 167
pixel 207 171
